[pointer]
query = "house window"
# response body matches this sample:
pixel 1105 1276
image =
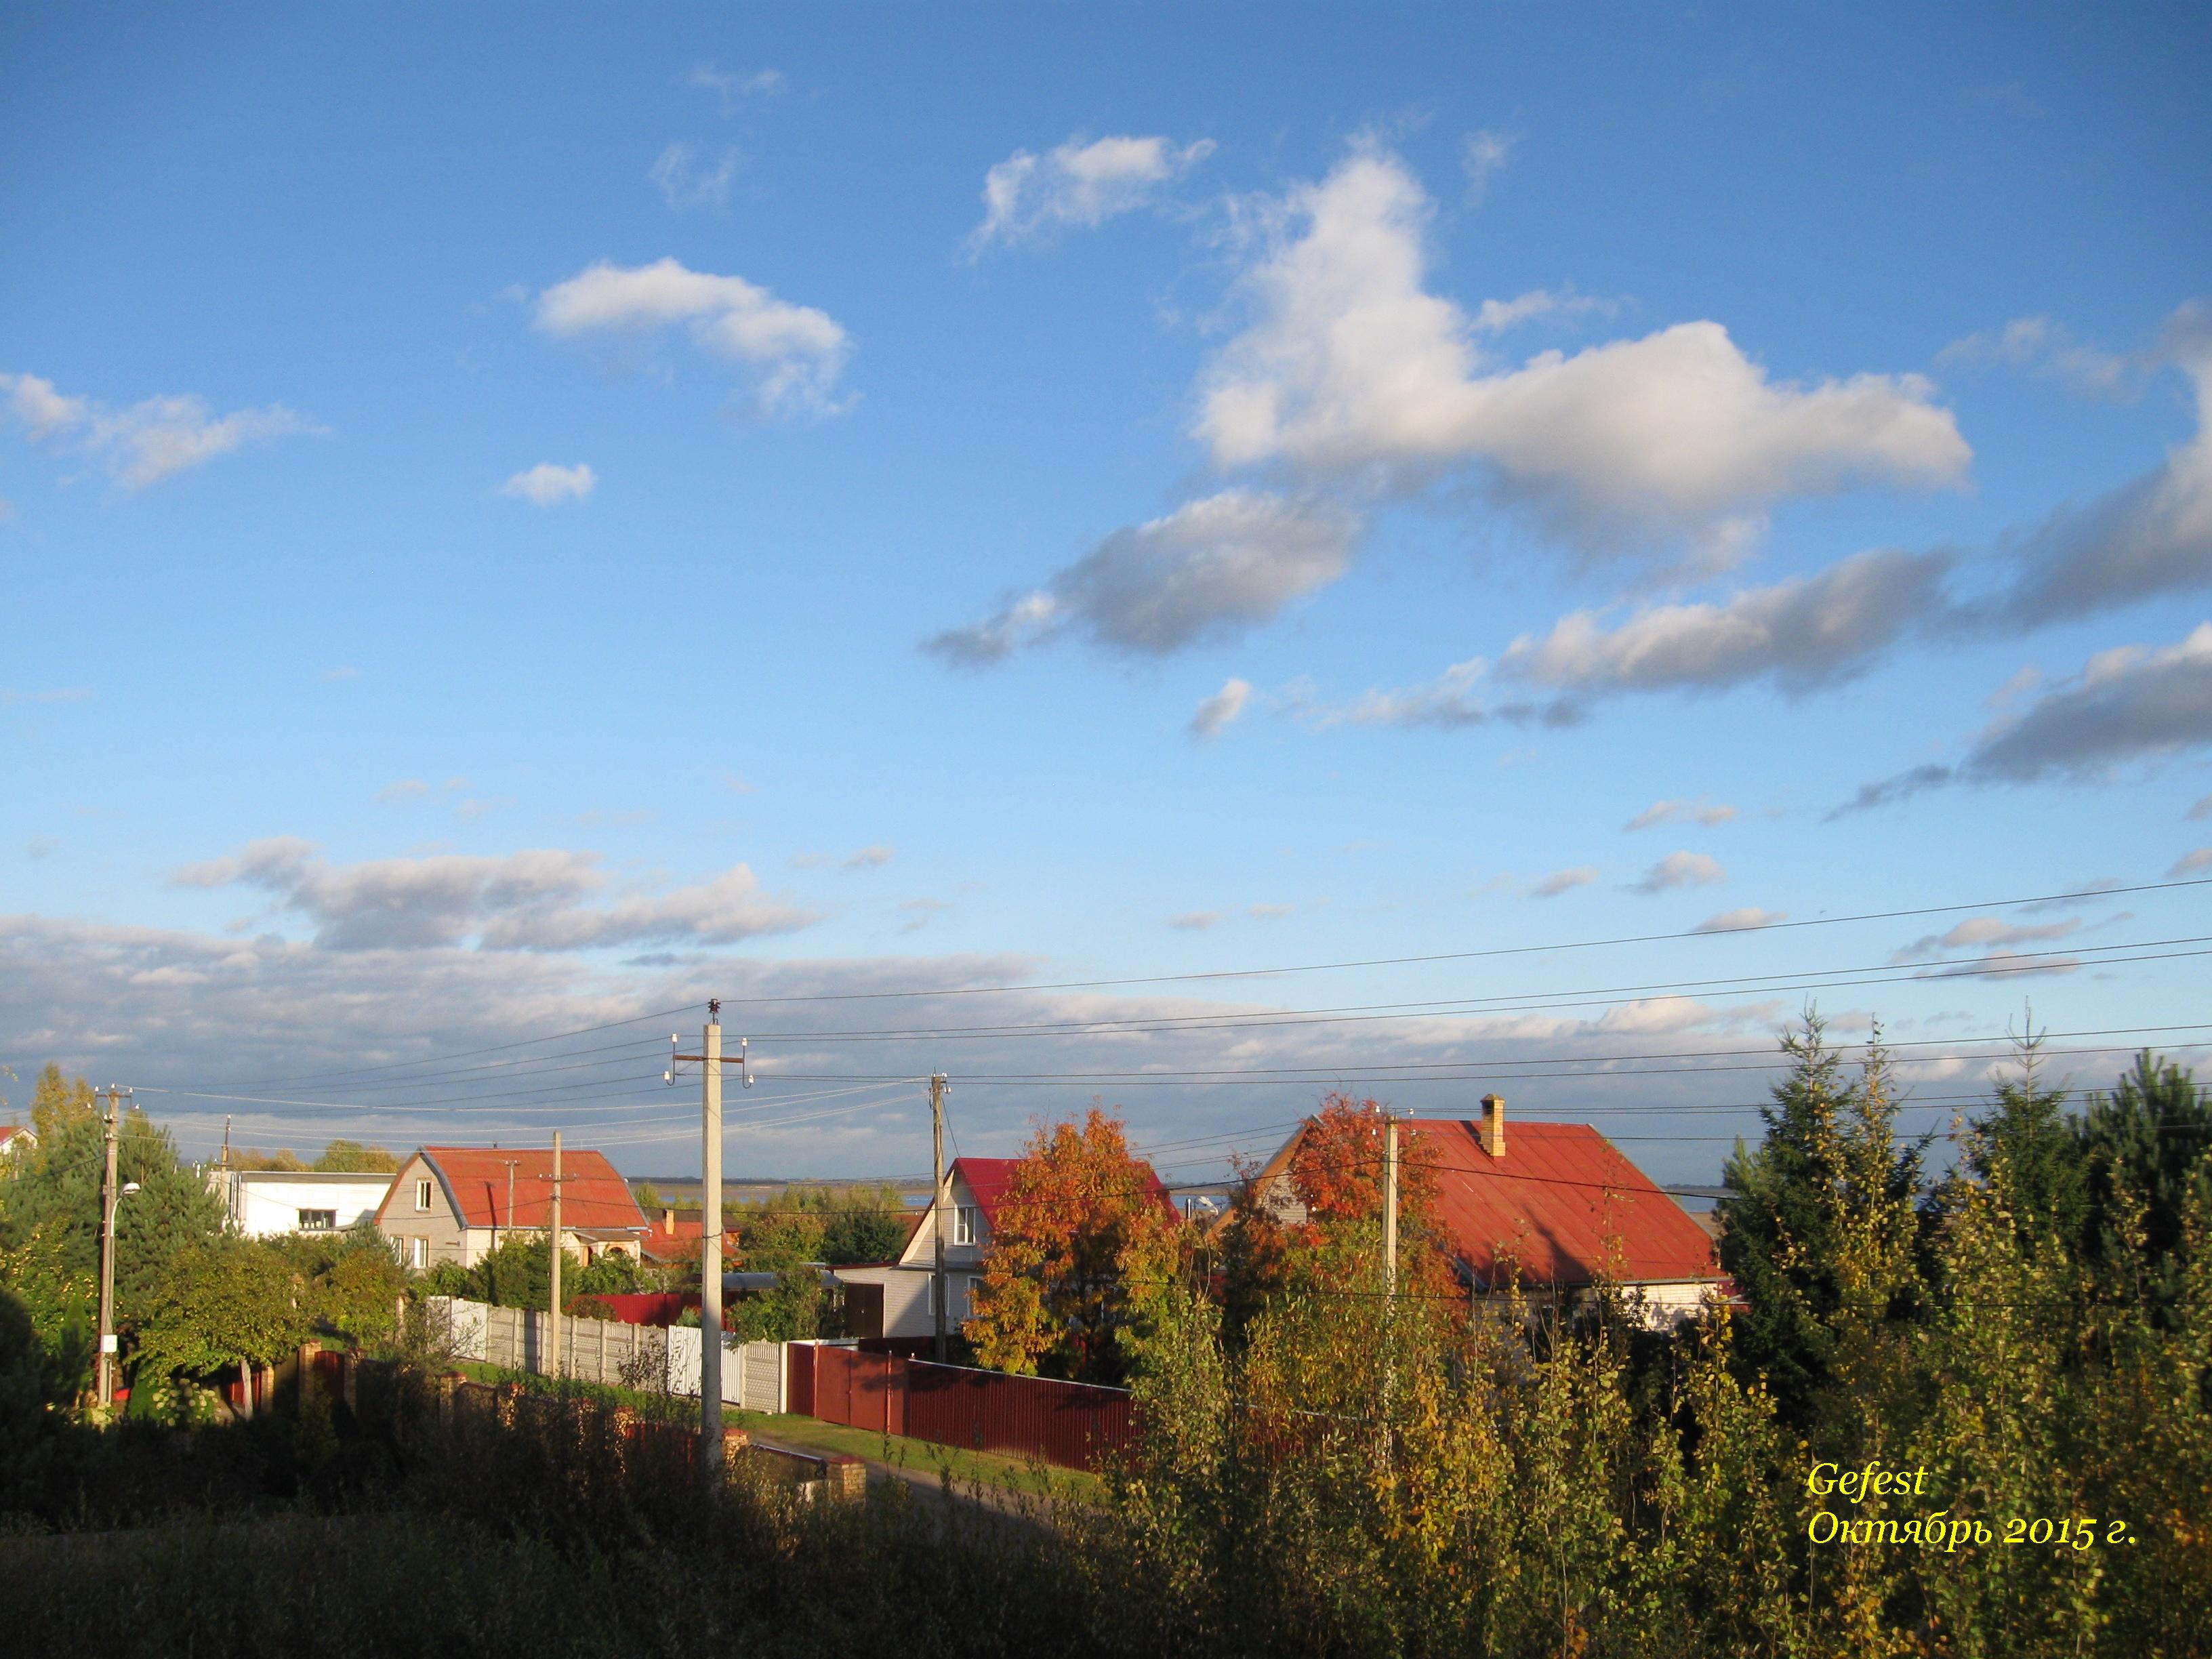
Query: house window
pixel 422 1195
pixel 963 1225
pixel 318 1221
pixel 418 1253
pixel 968 1295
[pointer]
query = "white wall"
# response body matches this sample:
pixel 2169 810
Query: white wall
pixel 261 1207
pixel 905 1295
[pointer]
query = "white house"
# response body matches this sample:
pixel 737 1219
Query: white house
pixel 16 1141
pixel 897 1299
pixel 266 1203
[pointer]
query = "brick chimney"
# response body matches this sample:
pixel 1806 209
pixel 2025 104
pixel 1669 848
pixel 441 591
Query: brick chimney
pixel 1493 1125
pixel 668 1222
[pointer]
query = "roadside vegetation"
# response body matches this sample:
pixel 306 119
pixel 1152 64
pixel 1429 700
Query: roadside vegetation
pixel 2023 1329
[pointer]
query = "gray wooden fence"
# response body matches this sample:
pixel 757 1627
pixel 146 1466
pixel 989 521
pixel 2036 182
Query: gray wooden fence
pixel 647 1356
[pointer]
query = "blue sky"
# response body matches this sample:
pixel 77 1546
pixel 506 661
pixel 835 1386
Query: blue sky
pixel 518 518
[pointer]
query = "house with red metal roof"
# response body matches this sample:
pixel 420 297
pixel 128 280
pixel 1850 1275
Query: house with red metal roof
pixel 1555 1207
pixel 674 1236
pixel 458 1203
pixel 897 1299
pixel 16 1141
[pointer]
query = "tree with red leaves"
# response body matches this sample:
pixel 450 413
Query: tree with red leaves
pixel 1081 1217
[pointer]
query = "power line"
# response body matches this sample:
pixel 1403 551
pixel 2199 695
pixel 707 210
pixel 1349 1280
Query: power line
pixel 1468 955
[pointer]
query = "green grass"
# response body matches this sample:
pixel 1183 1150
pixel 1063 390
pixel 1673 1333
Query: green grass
pixel 965 1466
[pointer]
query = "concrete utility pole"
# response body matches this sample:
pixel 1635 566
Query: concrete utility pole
pixel 105 1383
pixel 936 1207
pixel 711 1060
pixel 1390 1272
pixel 1389 1206
pixel 553 1338
pixel 508 1217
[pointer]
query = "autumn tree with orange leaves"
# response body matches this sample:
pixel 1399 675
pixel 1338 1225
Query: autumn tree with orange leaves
pixel 1336 1173
pixel 1083 1230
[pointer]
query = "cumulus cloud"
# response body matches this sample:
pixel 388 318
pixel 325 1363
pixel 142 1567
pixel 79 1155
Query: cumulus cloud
pixel 1352 366
pixel 1799 635
pixel 1027 196
pixel 548 485
pixel 1207 571
pixel 792 353
pixel 1222 710
pixel 1681 869
pixel 148 441
pixel 2131 703
pixel 1701 810
pixel 1740 921
pixel 690 175
pixel 527 901
pixel 1562 881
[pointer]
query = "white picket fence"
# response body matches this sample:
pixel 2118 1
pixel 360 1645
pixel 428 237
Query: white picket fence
pixel 755 1375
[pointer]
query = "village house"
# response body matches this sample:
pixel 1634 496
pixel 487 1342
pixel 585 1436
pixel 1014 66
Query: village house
pixel 457 1203
pixel 897 1300
pixel 16 1141
pixel 270 1203
pixel 1555 1208
pixel 673 1237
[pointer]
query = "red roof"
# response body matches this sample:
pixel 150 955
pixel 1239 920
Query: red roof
pixel 593 1197
pixel 1562 1204
pixel 986 1178
pixel 681 1242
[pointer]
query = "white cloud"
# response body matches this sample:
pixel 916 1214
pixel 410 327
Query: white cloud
pixel 1800 634
pixel 1354 366
pixel 1194 920
pixel 344 671
pixel 1743 920
pixel 793 353
pixel 870 858
pixel 2150 536
pixel 528 901
pixel 1270 912
pixel 2190 862
pixel 2131 703
pixel 2203 809
pixel 1980 932
pixel 1482 156
pixel 548 485
pixel 1681 870
pixel 733 90
pixel 2048 350
pixel 403 789
pixel 1206 571
pixel 1701 810
pixel 59 694
pixel 1027 196
pixel 1221 710
pixel 148 441
pixel 690 175
pixel 1561 881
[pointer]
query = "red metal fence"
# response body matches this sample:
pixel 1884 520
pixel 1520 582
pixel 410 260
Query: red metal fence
pixel 1070 1424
